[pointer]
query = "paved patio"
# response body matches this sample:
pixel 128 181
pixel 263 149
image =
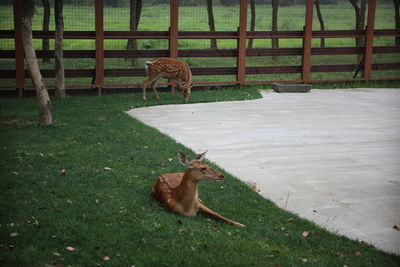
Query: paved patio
pixel 331 156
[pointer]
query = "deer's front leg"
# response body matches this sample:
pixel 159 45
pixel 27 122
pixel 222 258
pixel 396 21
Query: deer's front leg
pixel 154 85
pixel 145 84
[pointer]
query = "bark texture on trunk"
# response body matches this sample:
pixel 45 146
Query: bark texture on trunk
pixel 135 12
pixel 211 23
pixel 275 42
pixel 252 21
pixel 360 18
pixel 46 23
pixel 58 52
pixel 43 99
pixel 321 20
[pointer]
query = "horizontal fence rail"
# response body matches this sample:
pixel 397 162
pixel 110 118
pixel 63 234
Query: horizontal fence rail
pixel 305 68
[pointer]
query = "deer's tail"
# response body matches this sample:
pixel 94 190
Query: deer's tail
pixel 206 210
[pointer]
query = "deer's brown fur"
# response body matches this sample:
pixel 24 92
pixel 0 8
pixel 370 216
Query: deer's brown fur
pixel 178 191
pixel 168 68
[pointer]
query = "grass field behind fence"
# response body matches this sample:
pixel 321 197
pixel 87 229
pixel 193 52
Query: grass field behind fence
pixel 78 194
pixel 156 17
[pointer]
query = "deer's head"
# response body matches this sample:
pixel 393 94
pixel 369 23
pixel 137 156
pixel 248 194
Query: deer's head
pixel 186 90
pixel 199 170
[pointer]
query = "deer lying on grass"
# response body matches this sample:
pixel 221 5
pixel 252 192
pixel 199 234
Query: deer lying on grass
pixel 178 191
pixel 168 68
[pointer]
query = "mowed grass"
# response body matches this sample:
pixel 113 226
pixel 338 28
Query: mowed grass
pixel 98 211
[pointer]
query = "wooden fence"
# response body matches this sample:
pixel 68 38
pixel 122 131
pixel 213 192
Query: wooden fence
pixel 241 52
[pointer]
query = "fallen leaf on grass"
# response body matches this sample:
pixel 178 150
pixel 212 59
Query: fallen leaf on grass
pixel 357 253
pixel 14 234
pixel 97 201
pixel 69 201
pixel 106 258
pixel 70 249
pixel 56 254
pixel 290 220
pixel 63 172
pixel 305 234
pixel 107 169
pixel 182 231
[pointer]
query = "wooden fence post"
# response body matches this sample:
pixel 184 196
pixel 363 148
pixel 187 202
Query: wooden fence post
pixel 19 49
pixel 99 21
pixel 241 57
pixel 173 30
pixel 307 39
pixel 369 39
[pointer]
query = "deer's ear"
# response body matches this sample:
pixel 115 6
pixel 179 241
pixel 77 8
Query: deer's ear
pixel 184 160
pixel 201 156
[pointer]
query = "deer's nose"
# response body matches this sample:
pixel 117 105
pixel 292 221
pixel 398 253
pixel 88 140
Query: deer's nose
pixel 221 176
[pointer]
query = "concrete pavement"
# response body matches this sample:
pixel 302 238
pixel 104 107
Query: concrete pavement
pixel 331 156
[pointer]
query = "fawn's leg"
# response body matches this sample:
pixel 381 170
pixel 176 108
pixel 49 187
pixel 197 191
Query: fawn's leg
pixel 146 83
pixel 173 90
pixel 154 85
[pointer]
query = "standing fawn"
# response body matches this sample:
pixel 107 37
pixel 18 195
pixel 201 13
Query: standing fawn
pixel 178 191
pixel 168 68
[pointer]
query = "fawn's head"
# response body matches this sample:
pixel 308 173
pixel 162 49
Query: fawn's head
pixel 186 89
pixel 199 170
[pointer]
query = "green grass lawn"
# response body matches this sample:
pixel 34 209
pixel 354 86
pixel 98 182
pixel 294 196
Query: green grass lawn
pixel 102 207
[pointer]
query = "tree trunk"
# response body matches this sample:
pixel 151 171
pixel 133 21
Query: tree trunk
pixel 58 51
pixel 360 18
pixel 397 19
pixel 211 23
pixel 275 41
pixel 135 12
pixel 45 109
pixel 252 21
pixel 46 23
pixel 320 19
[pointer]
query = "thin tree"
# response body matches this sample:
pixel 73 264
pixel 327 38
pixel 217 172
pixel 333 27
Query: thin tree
pixel 58 50
pixel 211 22
pixel 252 21
pixel 397 19
pixel 46 23
pixel 360 18
pixel 43 99
pixel 320 19
pixel 135 12
pixel 275 41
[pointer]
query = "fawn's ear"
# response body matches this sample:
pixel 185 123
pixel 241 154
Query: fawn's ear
pixel 184 160
pixel 201 156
